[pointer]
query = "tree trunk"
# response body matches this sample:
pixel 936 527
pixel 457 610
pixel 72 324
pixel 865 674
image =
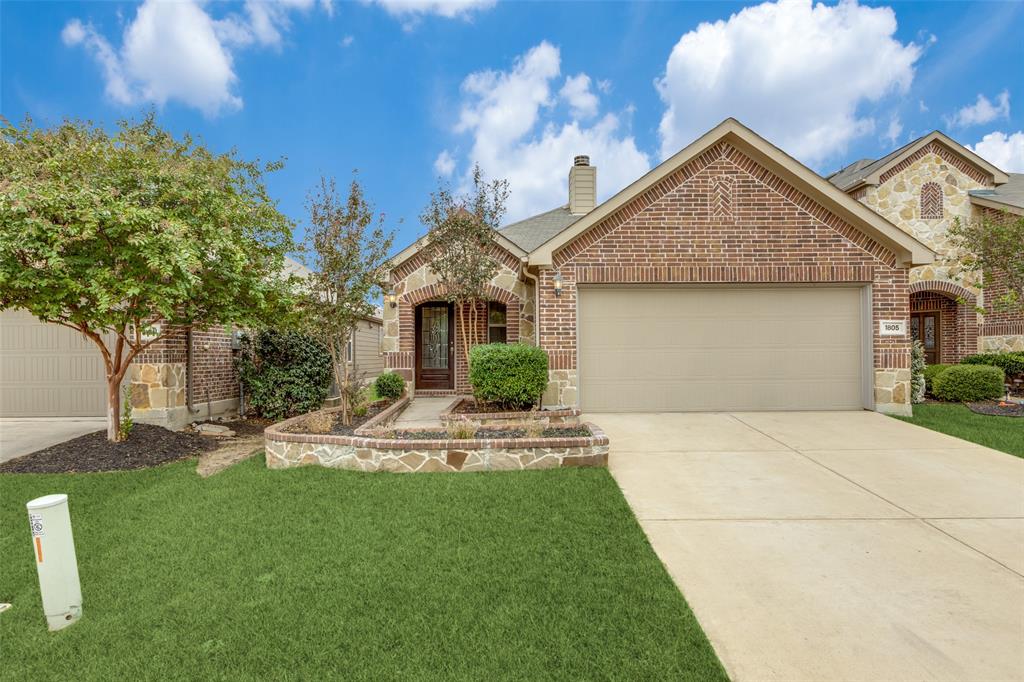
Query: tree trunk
pixel 461 305
pixel 346 417
pixel 332 346
pixel 113 409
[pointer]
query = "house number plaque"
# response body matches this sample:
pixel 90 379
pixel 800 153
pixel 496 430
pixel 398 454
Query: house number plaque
pixel 892 327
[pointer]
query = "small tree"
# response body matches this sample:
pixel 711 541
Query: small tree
pixel 460 244
pixel 134 235
pixel 349 247
pixel 995 248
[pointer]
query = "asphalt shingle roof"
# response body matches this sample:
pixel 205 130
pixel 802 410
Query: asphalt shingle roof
pixel 846 178
pixel 531 232
pixel 1010 193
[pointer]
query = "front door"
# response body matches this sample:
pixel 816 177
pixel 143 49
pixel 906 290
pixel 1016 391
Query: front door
pixel 924 327
pixel 435 345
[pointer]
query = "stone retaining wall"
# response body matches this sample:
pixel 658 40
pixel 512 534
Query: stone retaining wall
pixel 285 450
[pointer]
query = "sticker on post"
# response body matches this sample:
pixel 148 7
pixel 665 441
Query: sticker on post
pixel 892 328
pixel 35 522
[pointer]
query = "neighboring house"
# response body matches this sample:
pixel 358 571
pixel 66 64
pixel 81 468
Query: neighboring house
pixel 923 188
pixel 47 370
pixel 730 277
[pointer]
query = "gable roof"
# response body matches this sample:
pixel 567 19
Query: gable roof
pixel 531 232
pixel 414 248
pixel 867 172
pixel 908 250
pixel 1008 196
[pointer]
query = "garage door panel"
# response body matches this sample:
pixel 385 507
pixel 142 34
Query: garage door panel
pixel 714 349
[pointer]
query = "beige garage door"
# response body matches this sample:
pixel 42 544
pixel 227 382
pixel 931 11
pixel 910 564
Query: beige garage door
pixel 705 349
pixel 47 370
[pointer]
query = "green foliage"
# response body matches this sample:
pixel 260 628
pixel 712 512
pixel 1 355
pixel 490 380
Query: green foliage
pixel 118 232
pixel 510 375
pixel 1011 363
pixel 995 248
pixel 389 385
pixel 967 383
pixel 460 243
pixel 917 381
pixel 284 373
pixel 125 427
pixel 360 410
pixel 930 372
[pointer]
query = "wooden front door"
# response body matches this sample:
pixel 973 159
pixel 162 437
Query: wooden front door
pixel 925 327
pixel 435 346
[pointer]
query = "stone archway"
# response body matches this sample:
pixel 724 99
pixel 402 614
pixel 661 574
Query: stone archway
pixel 954 306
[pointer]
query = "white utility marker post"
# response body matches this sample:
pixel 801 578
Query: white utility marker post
pixel 54 550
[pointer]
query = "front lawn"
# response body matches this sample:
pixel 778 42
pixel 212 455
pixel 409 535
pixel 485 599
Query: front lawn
pixel 313 573
pixel 999 433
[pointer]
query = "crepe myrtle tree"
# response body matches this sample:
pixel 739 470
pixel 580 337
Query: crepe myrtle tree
pixel 133 236
pixel 347 246
pixel 995 249
pixel 460 245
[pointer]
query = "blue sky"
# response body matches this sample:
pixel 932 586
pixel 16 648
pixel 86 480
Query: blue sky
pixel 409 92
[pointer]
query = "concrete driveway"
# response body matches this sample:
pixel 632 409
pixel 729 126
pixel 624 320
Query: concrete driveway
pixel 833 546
pixel 21 436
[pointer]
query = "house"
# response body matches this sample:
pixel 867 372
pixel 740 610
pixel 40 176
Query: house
pixel 730 277
pixel 47 370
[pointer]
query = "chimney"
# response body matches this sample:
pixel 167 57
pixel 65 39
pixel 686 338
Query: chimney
pixel 582 186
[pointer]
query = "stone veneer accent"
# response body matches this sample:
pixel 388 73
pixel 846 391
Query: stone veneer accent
pixel 414 284
pixel 566 416
pixel 1002 344
pixel 286 450
pixel 157 385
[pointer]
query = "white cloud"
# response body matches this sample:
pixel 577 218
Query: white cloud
pixel 348 40
pixel 1005 152
pixel 577 93
pixel 794 72
pixel 411 11
pixel 895 128
pixel 444 164
pixel 982 111
pixel 177 51
pixel 510 117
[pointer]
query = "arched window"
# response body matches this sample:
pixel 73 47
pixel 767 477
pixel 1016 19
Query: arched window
pixel 931 200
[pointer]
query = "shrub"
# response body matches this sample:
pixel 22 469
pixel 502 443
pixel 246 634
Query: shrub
pixel 462 428
pixel 389 385
pixel 284 373
pixel 930 372
pixel 917 382
pixel 320 422
pixel 1011 363
pixel 966 383
pixel 509 375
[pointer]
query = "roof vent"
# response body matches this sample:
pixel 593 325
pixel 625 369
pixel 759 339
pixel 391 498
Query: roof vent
pixel 582 186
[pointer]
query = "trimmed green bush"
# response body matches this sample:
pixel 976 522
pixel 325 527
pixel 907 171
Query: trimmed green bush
pixel 1011 363
pixel 283 373
pixel 389 385
pixel 512 376
pixel 966 383
pixel 930 372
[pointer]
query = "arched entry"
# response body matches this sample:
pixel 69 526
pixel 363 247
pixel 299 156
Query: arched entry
pixel 943 318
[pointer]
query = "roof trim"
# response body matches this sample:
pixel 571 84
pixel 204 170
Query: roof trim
pixel 993 202
pixel 875 177
pixel 414 248
pixel 909 251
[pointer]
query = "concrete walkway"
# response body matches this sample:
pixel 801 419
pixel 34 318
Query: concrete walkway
pixel 22 436
pixel 833 546
pixel 423 412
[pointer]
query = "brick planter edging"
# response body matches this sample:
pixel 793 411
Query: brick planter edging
pixel 285 450
pixel 568 415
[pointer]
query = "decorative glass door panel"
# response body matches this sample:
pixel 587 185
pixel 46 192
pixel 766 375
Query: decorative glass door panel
pixel 434 345
pixel 925 327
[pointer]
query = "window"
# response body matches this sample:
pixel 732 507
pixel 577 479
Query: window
pixel 497 324
pixel 931 201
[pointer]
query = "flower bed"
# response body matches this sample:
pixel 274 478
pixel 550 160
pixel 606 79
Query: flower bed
pixel 369 450
pixel 465 408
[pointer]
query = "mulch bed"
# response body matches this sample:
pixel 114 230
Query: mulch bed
pixel 337 428
pixel 147 446
pixel 473 407
pixel 490 434
pixel 997 409
pixel 252 426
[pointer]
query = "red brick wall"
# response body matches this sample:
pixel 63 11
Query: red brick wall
pixel 212 361
pixel 722 219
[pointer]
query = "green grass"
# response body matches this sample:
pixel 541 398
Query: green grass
pixel 999 433
pixel 309 573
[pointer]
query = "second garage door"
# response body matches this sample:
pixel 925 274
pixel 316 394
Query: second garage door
pixel 707 349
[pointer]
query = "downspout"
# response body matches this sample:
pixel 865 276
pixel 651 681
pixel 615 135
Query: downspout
pixel 189 372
